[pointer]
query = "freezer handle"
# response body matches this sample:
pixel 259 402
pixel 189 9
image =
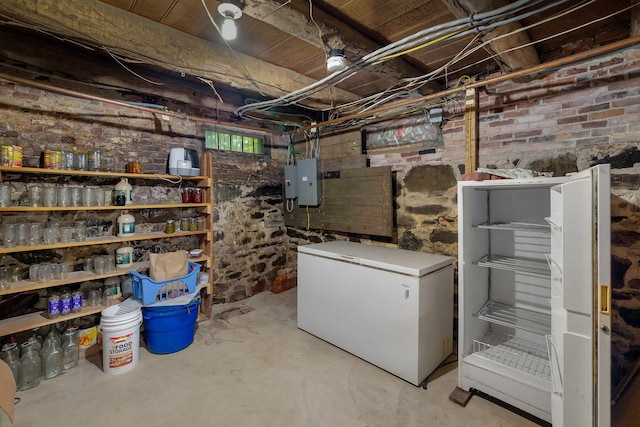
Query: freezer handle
pixel 605 299
pixel 349 258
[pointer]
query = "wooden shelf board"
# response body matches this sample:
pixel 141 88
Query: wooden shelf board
pixel 101 174
pixel 74 277
pixel 102 208
pixel 102 241
pixel 25 322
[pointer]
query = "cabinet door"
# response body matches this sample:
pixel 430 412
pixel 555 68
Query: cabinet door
pixel 585 213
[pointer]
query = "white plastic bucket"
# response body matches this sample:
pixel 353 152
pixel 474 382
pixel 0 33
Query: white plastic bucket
pixel 120 329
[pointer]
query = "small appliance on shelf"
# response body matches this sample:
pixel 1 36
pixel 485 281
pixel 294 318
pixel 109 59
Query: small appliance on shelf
pixel 184 161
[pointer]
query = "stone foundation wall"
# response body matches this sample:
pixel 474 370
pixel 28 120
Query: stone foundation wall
pixel 251 243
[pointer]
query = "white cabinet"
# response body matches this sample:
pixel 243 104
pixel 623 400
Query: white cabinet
pixel 390 307
pixel 533 294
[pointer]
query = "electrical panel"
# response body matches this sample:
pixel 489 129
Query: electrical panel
pixel 290 181
pixel 308 183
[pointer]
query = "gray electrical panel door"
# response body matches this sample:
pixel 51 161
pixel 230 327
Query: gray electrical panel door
pixel 308 183
pixel 290 181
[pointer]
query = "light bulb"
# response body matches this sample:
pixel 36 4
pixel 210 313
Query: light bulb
pixel 336 60
pixel 229 30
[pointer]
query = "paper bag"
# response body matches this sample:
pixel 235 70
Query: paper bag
pixel 7 390
pixel 168 265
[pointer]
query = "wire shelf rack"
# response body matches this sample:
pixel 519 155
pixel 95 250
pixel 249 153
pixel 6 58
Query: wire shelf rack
pixel 516 226
pixel 516 353
pixel 515 317
pixel 521 265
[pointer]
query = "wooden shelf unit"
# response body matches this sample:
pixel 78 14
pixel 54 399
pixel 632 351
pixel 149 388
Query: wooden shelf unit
pixel 33 320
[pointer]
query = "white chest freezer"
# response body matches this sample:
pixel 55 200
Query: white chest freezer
pixel 390 307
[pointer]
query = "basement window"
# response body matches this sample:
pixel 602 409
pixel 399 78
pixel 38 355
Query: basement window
pixel 226 140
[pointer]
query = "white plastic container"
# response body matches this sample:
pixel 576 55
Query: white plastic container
pixel 123 187
pixel 120 329
pixel 124 257
pixel 126 225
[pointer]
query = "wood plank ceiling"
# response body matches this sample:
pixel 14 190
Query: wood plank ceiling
pixel 282 45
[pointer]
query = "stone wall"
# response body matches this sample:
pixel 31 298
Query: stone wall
pixel 251 244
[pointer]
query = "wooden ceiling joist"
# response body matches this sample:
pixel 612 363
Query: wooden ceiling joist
pixel 335 34
pixel 98 24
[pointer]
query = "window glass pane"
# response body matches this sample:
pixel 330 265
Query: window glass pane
pixel 236 143
pixel 258 146
pixel 211 139
pixel 225 141
pixel 215 140
pixel 247 144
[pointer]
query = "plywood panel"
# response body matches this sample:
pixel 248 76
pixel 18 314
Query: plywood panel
pixel 353 201
pixel 348 162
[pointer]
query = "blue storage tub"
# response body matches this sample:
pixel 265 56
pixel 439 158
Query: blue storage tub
pixel 170 328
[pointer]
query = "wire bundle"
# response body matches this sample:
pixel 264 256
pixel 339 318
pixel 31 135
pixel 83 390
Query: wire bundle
pixel 478 24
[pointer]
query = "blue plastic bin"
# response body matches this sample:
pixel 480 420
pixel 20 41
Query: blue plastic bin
pixel 170 328
pixel 149 291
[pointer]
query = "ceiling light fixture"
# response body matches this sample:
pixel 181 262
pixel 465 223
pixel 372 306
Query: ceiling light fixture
pixel 230 11
pixel 336 60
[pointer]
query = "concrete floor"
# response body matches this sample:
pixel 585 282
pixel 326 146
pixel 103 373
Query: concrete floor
pixel 251 366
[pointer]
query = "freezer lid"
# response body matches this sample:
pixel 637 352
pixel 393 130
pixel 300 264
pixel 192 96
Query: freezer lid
pixel 415 264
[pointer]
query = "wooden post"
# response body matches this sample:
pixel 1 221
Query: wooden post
pixel 635 19
pixel 471 130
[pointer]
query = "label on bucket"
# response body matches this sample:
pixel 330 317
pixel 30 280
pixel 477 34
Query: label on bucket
pixel 120 351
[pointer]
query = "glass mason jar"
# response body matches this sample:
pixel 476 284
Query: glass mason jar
pixel 64 196
pixel 30 367
pixel 187 195
pixel 51 356
pixel 35 195
pixel 170 226
pixel 9 355
pixel 9 234
pixel 95 160
pixel 49 195
pixel 76 195
pixel 70 348
pixel 196 195
pixel 65 303
pixel 5 195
